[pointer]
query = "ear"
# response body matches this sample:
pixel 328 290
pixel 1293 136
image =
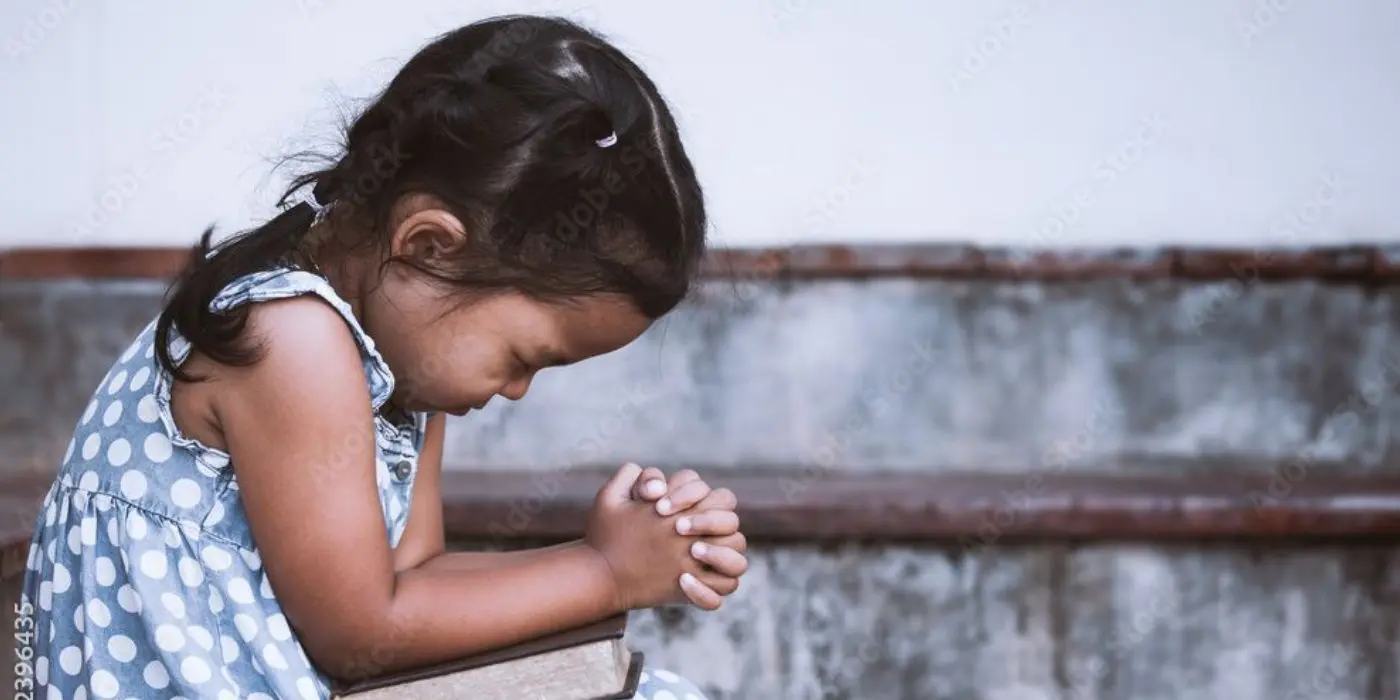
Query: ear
pixel 427 235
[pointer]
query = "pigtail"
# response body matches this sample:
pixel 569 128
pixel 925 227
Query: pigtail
pixel 209 270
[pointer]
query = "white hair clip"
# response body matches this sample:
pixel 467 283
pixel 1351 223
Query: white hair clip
pixel 608 140
pixel 317 208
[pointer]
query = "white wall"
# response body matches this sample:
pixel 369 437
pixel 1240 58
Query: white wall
pixel 1047 122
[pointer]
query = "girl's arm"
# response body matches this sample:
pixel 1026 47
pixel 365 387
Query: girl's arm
pixel 423 543
pixel 299 428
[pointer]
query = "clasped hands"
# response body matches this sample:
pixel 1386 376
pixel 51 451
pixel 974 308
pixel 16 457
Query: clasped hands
pixel 708 515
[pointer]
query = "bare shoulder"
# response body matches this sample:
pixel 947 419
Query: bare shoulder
pixel 307 389
pixel 307 355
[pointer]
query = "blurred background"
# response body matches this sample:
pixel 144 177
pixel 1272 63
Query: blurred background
pixel 1052 344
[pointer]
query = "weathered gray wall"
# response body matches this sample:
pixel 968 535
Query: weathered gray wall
pixel 929 375
pixel 893 374
pixel 938 375
pixel 1046 623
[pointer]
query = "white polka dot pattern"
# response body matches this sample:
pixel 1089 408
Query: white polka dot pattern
pixel 143 572
pixel 658 684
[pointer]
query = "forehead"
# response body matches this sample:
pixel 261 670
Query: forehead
pixel 577 329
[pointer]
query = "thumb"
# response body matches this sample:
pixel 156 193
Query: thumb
pixel 619 487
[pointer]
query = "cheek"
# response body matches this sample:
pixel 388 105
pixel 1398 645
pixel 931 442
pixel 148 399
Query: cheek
pixel 488 365
pixel 466 371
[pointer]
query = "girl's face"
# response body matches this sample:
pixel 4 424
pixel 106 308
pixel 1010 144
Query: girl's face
pixel 454 357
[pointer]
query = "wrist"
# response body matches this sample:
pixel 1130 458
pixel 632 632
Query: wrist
pixel 601 577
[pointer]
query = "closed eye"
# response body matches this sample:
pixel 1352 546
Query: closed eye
pixel 547 360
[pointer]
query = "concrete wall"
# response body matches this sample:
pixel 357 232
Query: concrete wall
pixel 893 374
pixel 1046 623
pixel 1028 122
pixel 939 375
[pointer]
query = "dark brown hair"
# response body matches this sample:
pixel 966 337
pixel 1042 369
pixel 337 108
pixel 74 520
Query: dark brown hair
pixel 553 146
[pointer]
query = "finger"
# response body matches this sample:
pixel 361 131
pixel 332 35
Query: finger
pixel 737 542
pixel 722 560
pixel 700 594
pixel 650 486
pixel 721 585
pixel 681 477
pixel 708 523
pixel 719 499
pixel 683 497
pixel 619 488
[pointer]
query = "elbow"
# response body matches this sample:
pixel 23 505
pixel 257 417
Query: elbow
pixel 351 660
pixel 355 651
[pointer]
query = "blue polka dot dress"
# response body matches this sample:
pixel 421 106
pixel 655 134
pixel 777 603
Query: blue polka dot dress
pixel 143 574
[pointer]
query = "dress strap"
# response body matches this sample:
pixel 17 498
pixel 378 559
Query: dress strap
pixel 284 283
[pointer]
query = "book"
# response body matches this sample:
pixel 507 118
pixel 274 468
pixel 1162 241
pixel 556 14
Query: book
pixel 585 663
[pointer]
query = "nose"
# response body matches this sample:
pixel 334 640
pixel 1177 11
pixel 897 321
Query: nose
pixel 516 389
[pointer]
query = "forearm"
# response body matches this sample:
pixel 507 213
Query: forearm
pixel 472 561
pixel 439 613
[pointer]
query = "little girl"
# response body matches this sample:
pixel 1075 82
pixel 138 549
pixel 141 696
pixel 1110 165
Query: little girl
pixel 250 505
